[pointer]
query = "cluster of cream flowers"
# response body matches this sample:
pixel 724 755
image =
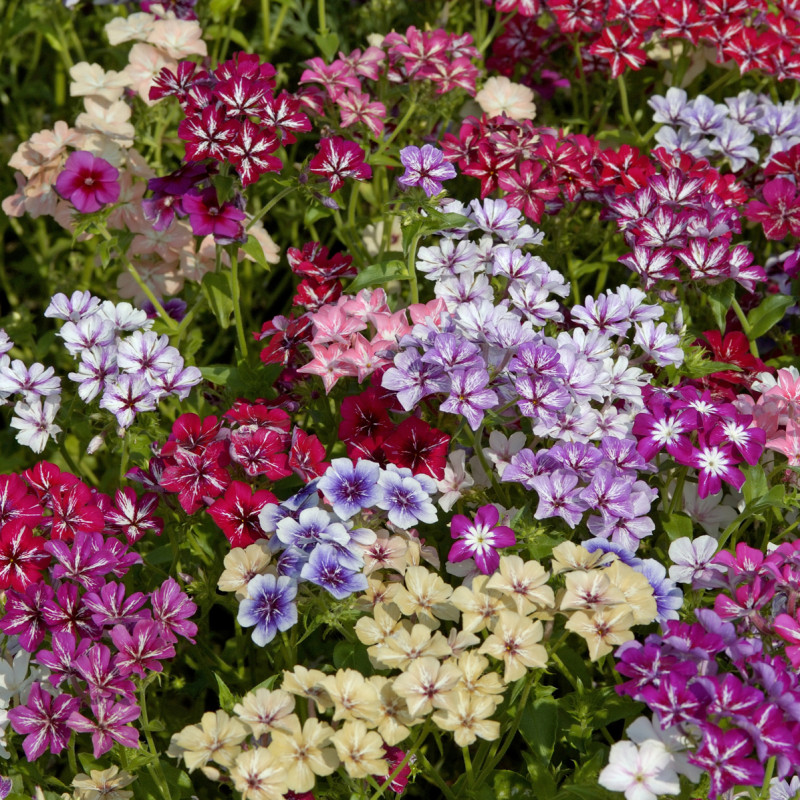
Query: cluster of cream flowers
pixel 448 677
pixel 164 259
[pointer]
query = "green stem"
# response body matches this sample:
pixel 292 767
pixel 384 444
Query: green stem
pixel 272 203
pixel 412 269
pixel 323 23
pixel 237 301
pixel 73 762
pixel 156 773
pixel 769 771
pixel 399 768
pixel 432 774
pixel 626 110
pixel 677 497
pixel 468 765
pixel 276 31
pixel 745 325
pixel 400 126
pixel 266 33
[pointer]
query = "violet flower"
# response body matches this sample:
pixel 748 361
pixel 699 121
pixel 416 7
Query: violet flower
pixel 425 167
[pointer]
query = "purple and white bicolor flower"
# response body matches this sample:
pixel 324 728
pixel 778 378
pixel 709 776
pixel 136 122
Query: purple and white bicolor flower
pixel 350 487
pixel 31 382
pixel 469 395
pixel 406 497
pixel 425 167
pixel 74 308
pixel 325 568
pixel 269 607
pixel 480 538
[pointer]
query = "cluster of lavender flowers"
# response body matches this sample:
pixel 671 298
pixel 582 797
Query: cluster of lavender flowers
pixel 64 551
pixel 703 128
pixel 120 359
pixel 726 685
pixel 580 387
pixel 326 548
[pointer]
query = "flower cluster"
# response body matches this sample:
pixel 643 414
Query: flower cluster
pixel 64 551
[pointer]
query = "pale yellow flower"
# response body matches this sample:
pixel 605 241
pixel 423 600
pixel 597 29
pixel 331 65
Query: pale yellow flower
pixel 352 696
pixel 241 565
pixel 500 96
pixel 266 710
pixel 479 606
pixel 376 629
pixel 105 784
pixel 425 682
pixel 306 683
pixel 636 590
pixel 475 679
pixel 466 715
pixel 568 556
pixel 259 775
pixel 603 628
pixel 216 738
pixel 303 754
pixel 426 595
pixel 360 750
pixel 524 582
pixel 405 646
pixel 93 80
pixel 133 27
pixel 386 552
pixel 590 590
pixel 514 641
pixel 393 719
pixel 460 641
pixel 178 38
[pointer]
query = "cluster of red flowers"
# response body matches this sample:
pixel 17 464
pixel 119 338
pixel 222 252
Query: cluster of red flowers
pixel 613 33
pixel 202 459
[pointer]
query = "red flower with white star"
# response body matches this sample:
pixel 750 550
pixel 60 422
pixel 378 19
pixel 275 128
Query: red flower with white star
pixel 250 153
pixel 196 476
pixel 338 159
pixel 237 512
pixel 207 134
pixel 22 557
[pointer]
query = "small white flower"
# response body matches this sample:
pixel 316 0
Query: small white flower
pixel 501 448
pixel 642 773
pixel 500 95
pixel 35 422
pixel 455 482
pixel 692 560
pixel 672 739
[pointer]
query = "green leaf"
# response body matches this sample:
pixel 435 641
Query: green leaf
pixel 720 298
pixel 677 526
pixel 347 655
pixel 378 274
pixel 328 44
pixel 769 313
pixel 701 368
pixel 541 778
pixel 511 786
pixel 224 184
pixel 218 374
pixel 219 8
pixel 539 726
pixel 576 664
pixel 316 212
pixel 226 698
pixel 384 160
pixel 755 487
pixel 217 289
pixel 254 249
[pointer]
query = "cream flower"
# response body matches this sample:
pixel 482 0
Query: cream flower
pixel 266 710
pixel 636 591
pixel 178 38
pixel 93 80
pixel 478 605
pixel 386 552
pixel 603 629
pixel 499 96
pixel 514 641
pixel 360 750
pixel 426 595
pixel 465 714
pixel 379 592
pixel 130 28
pixel 405 646
pixel 379 627
pixel 424 684
pixel 306 683
pixel 352 696
pixel 303 754
pixel 393 720
pixel 259 775
pixel 216 738
pixel 456 480
pixel 474 678
pixel 524 582
pixel 589 590
pixel 106 784
pixel 145 62
pixel 110 119
pixel 568 555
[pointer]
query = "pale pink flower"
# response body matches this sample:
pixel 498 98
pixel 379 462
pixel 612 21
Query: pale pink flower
pixel 164 280
pixel 500 96
pixel 131 28
pixel 197 262
pixel 94 81
pixel 145 62
pixel 110 119
pixel 788 443
pixel 178 38
pixel 52 144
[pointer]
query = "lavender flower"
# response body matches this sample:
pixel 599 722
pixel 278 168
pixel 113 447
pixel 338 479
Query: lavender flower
pixel 425 167
pixel 469 395
pixel 31 383
pixel 269 607
pixel 313 527
pixel 126 396
pixel 324 568
pixel 350 487
pixel 74 308
pixel 35 422
pixel 559 497
pixel 406 497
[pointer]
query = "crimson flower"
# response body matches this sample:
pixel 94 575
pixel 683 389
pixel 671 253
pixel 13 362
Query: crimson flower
pixel 307 455
pixel 16 502
pixel 22 556
pixel 623 49
pixel 237 512
pixel 338 159
pixel 780 213
pixel 207 134
pixel 250 153
pixel 44 719
pixel 207 215
pixel 88 182
pixel 418 446
pixel 260 452
pixel 195 476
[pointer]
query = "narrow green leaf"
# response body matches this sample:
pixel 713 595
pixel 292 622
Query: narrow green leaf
pixel 379 274
pixel 226 698
pixel 217 289
pixel 218 374
pixel 254 249
pixel 770 312
pixel 720 298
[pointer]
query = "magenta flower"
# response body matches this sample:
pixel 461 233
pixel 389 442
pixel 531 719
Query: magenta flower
pixel 207 215
pixel 87 182
pixel 109 725
pixel 44 719
pixel 480 539
pixel 425 167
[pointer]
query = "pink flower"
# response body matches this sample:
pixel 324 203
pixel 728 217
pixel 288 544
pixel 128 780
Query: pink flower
pixel 207 215
pixel 480 539
pixel 88 182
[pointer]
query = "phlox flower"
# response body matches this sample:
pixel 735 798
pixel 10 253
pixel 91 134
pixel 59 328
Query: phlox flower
pixel 45 721
pixel 303 751
pixel 693 560
pixel 325 569
pixel 35 422
pixel 350 487
pixel 259 774
pixel 87 182
pixel 406 497
pixel 217 738
pixel 425 167
pixel 338 159
pixel 269 607
pixel 480 539
pixel 499 96
pixel 642 773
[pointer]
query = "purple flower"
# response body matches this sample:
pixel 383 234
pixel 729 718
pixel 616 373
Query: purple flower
pixel 31 382
pixel 99 670
pixel 85 560
pixel 144 649
pixel 425 167
pixel 480 539
pixel 126 396
pixel 110 724
pixel 406 497
pixel 269 606
pixel 207 215
pixel 66 613
pixel 171 611
pixel 24 614
pixel 313 526
pixel 412 379
pixel 44 719
pixel 453 352
pixel 147 354
pixel 324 568
pixel 724 755
pixel 87 182
pixel 540 397
pixel 468 395
pixel 97 364
pixel 61 658
pixel 668 597
pixel 559 497
pixel 610 494
pixel 526 465
pixel 350 487
pixel 75 307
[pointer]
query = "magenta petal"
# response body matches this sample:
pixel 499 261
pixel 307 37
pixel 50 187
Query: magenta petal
pixel 68 182
pixel 84 200
pixel 107 192
pixel 459 525
pixel 460 551
pixel 488 515
pixel 487 561
pixel 503 537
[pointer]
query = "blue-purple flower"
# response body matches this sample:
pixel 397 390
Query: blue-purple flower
pixel 425 167
pixel 406 497
pixel 325 569
pixel 350 487
pixel 269 607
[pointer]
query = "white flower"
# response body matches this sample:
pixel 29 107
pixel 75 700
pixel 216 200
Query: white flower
pixel 35 422
pixel 500 96
pixel 110 119
pixel 672 739
pixel 642 773
pixel 501 448
pixel 707 511
pixel 126 29
pixel 93 80
pixel 14 678
pixel 692 560
pixel 178 38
